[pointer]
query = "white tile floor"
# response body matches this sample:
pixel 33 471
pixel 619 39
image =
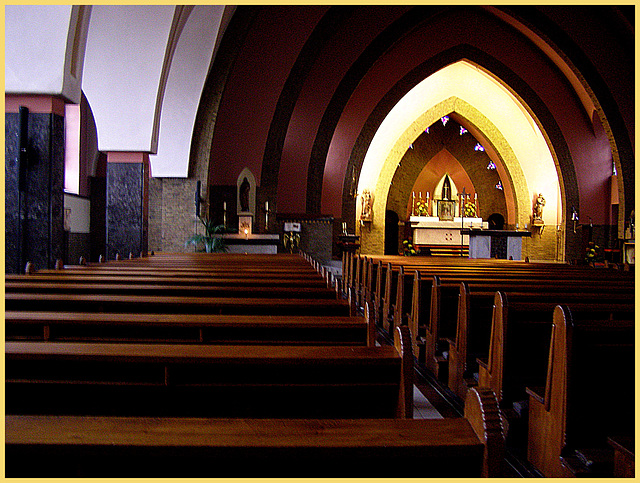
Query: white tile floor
pixel 422 408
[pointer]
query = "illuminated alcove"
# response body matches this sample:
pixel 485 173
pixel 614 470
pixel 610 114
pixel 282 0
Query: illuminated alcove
pixel 481 103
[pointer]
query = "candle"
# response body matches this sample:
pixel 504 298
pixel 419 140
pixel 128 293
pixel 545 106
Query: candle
pixel 427 195
pixel 266 206
pixel 420 195
pixel 224 205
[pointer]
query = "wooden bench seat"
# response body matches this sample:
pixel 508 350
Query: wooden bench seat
pixel 74 446
pixel 176 380
pixel 187 328
pixel 588 397
pixel 175 304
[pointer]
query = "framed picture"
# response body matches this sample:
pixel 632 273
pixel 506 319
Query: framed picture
pixel 446 210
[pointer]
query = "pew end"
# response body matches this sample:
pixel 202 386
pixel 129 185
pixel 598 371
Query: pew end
pixel 571 419
pixel 482 412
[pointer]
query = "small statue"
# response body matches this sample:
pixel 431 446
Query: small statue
pixel 245 188
pixel 366 205
pixel 537 210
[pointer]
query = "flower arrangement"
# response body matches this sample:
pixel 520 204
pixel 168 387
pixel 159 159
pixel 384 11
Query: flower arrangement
pixel 470 210
pixel 592 253
pixel 409 249
pixel 421 208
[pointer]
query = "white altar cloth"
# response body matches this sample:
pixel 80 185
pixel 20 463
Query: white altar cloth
pixel 429 230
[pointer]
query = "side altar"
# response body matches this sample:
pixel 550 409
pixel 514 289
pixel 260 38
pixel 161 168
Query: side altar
pixel 431 230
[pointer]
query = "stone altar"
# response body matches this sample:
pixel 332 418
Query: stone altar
pixel 430 230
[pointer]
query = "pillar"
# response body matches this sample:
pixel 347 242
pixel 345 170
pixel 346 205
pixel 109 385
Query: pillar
pixel 34 182
pixel 127 204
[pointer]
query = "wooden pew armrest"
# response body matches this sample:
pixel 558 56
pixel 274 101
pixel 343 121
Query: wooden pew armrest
pixel 483 363
pixel 537 393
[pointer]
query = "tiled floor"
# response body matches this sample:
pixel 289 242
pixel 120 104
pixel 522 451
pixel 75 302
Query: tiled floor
pixel 422 408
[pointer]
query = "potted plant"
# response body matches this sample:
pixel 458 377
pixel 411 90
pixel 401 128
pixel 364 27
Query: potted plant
pixel 212 239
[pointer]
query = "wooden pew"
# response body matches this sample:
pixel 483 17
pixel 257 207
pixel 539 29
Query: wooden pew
pixel 183 289
pixel 475 312
pixel 519 351
pixel 433 307
pixel 588 397
pixel 175 304
pixel 187 328
pixel 76 446
pixel 164 380
pixel 391 299
pixel 232 280
pixel 191 273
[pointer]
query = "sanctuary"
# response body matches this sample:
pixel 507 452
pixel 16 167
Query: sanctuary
pixel 438 221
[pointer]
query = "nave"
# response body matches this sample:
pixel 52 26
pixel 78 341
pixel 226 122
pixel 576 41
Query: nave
pixel 207 372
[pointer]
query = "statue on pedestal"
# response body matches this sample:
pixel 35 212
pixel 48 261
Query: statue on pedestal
pixel 537 209
pixel 245 188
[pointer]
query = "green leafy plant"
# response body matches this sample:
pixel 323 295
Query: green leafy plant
pixel 212 240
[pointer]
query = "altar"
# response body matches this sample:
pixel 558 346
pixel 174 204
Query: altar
pixel 252 243
pixel 431 230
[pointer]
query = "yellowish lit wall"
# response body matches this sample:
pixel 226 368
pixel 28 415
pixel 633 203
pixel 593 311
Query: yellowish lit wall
pixel 525 161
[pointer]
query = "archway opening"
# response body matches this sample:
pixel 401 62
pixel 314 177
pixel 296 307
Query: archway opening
pixel 490 111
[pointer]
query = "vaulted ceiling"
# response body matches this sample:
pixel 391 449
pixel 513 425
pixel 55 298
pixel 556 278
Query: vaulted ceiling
pixel 297 93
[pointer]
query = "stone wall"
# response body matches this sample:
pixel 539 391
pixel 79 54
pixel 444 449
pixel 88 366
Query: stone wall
pixel 172 216
pixel 316 236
